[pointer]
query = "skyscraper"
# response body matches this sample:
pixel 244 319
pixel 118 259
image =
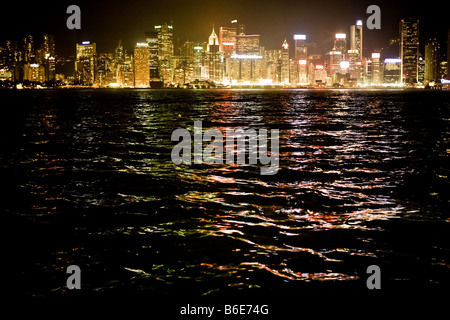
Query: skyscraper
pixel 142 65
pixel 214 58
pixel 340 42
pixel 153 44
pixel 48 57
pixel 409 50
pixel 356 38
pixel 227 40
pixel 432 49
pixel 376 68
pixel 86 62
pixel 165 51
pixel 448 54
pixel 301 57
pixel 48 45
pixel 285 62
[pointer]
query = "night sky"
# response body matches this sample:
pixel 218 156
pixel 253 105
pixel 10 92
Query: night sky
pixel 105 22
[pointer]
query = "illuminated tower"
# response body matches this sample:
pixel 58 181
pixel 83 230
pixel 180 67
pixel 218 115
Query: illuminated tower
pixel 153 44
pixel 214 58
pixel 301 57
pixel 48 57
pixel 340 43
pixel 285 62
pixel 142 65
pixel 409 50
pixel 431 61
pixel 28 50
pixel 86 62
pixel 376 68
pixel 165 51
pixel 356 38
pixel 448 54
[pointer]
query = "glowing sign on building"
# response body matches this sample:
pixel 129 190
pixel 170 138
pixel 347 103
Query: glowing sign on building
pixel 299 36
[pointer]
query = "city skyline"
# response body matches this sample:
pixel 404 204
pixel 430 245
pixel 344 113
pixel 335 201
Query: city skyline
pixel 107 22
pixel 236 54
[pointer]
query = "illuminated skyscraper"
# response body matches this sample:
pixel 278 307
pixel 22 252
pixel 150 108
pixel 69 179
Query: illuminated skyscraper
pixel 28 49
pixel 376 68
pixel 392 71
pixel 153 44
pixel 285 62
pixel 247 44
pixel 432 49
pixel 165 51
pixel 86 62
pixel 340 42
pixel 301 57
pixel 356 38
pixel 448 54
pixel 409 50
pixel 214 58
pixel 47 58
pixel 227 40
pixel 142 65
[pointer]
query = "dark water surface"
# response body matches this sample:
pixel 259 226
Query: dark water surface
pixel 87 179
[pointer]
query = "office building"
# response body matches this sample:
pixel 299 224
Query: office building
pixel 356 38
pixel 432 61
pixel 340 42
pixel 214 57
pixel 153 44
pixel 142 65
pixel 165 51
pixel 393 71
pixel 376 69
pixel 86 63
pixel 301 57
pixel 409 50
pixel 285 66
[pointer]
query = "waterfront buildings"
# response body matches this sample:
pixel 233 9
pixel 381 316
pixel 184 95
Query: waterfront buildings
pixel 229 56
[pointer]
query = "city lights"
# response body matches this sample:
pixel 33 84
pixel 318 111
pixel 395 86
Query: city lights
pixel 229 57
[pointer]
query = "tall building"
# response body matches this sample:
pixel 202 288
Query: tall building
pixel 142 65
pixel 432 61
pixel 28 49
pixel 165 51
pixel 153 44
pixel 48 45
pixel 285 74
pixel 47 59
pixel 301 57
pixel 214 58
pixel 356 38
pixel 409 50
pixel 393 71
pixel 86 62
pixel 448 54
pixel 227 40
pixel 340 42
pixel 247 44
pixel 376 68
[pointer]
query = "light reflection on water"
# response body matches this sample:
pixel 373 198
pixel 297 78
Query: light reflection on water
pixel 357 170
